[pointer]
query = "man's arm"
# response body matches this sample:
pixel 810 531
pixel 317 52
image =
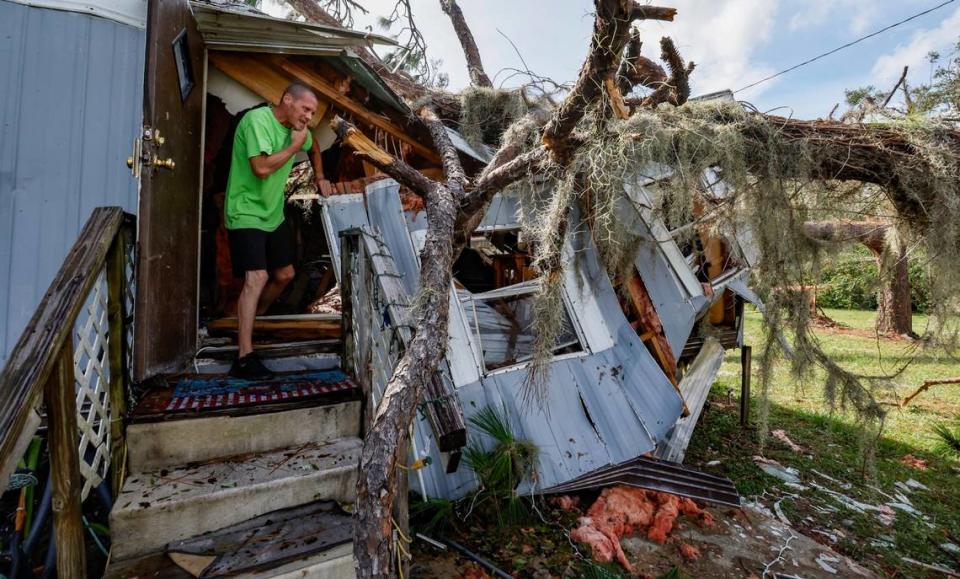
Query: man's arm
pixel 265 165
pixel 323 186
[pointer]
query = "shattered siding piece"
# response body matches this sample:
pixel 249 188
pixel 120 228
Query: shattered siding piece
pixel 694 386
pixel 501 215
pixel 659 235
pixel 482 153
pixel 340 213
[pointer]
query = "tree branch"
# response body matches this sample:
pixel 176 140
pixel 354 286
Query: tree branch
pixel 611 32
pixel 637 69
pixel 452 168
pixel 403 173
pixel 478 77
pixel 676 90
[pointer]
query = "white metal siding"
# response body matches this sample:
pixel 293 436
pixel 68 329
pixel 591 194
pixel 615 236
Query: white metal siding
pixel 70 105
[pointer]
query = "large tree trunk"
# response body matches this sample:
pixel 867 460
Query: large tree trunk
pixel 894 313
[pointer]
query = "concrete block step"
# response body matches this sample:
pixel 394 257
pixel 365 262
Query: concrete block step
pixel 160 506
pixel 180 441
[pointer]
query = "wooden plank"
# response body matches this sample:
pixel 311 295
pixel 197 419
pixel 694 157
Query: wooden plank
pixel 116 313
pixel 65 466
pixel 348 105
pixel 261 78
pixel 312 326
pixel 650 323
pixel 33 358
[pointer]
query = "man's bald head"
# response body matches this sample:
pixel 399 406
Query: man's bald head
pixel 298 105
pixel 298 91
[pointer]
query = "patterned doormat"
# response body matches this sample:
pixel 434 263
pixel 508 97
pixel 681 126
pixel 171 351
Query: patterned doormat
pixel 211 392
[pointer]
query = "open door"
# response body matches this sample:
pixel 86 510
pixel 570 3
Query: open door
pixel 169 164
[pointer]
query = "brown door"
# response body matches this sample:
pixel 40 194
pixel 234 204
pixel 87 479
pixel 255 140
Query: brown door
pixel 169 165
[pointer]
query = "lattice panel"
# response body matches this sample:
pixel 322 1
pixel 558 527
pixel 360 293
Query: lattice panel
pixel 92 373
pixel 129 301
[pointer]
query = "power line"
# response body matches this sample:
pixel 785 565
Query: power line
pixel 847 45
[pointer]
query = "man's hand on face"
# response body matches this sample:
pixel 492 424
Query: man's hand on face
pixel 298 137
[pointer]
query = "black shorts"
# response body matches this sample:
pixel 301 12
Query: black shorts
pixel 253 249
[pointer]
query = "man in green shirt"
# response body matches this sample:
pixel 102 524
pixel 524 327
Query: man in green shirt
pixel 261 242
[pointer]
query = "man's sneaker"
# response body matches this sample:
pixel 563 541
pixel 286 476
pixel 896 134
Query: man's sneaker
pixel 250 368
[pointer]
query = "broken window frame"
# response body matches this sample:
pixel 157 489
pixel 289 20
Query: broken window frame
pixel 526 288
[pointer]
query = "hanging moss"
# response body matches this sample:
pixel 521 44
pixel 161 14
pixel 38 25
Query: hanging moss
pixel 777 189
pixel 486 113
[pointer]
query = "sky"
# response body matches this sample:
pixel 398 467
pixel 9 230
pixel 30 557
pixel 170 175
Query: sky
pixel 732 42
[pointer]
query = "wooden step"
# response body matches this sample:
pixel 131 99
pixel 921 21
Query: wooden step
pixel 161 506
pixel 336 563
pixel 184 440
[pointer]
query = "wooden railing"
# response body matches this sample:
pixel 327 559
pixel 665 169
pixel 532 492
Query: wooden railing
pixel 74 348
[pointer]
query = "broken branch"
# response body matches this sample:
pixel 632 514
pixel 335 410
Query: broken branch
pixel 362 145
pixel 927 384
pixel 478 77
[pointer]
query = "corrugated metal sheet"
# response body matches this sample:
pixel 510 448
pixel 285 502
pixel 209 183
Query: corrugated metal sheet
pixel 71 102
pixel 241 28
pixel 130 12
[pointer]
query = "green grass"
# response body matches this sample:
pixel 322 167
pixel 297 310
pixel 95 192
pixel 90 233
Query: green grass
pixel 834 445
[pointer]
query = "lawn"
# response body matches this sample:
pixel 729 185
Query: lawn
pixel 833 449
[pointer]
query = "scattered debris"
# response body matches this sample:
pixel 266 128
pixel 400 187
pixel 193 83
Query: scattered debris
pixel 689 552
pixel 713 463
pixel 781 435
pixel 566 502
pixel 329 303
pixel 844 485
pixel 777 470
pixel 951 548
pixel 622 510
pixel 824 561
pixel 913 462
pixel 933 567
pixel 783 549
pixel 779 512
pixel 916 485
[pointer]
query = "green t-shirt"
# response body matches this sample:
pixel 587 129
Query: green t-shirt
pixel 252 202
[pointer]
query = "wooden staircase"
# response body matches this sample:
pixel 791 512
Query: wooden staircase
pixel 196 474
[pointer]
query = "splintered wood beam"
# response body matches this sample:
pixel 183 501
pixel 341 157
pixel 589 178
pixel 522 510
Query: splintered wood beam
pixel 362 145
pixel 315 81
pixel 260 78
pixel 616 98
pixel 650 324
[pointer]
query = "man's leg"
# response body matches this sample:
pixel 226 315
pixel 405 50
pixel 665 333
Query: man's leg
pixel 279 279
pixel 253 287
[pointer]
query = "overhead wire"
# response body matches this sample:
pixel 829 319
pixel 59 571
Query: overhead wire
pixel 847 45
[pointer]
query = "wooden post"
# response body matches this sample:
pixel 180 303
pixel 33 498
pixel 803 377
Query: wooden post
pixel 116 312
pixel 401 509
pixel 745 355
pixel 61 400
